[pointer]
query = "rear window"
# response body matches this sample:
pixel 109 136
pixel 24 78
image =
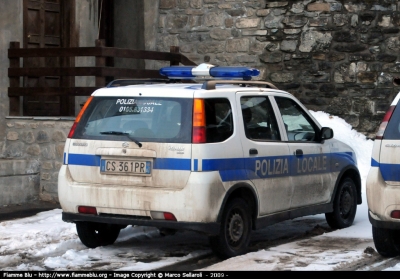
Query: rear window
pixel 143 119
pixel 392 130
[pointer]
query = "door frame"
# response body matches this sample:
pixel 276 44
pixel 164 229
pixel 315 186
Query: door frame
pixel 68 38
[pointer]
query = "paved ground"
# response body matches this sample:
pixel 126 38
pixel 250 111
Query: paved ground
pixel 17 211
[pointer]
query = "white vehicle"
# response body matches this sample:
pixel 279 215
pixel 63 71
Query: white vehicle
pixel 383 184
pixel 221 157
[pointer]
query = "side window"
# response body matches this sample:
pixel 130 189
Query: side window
pixel 259 119
pixel 219 120
pixel 298 125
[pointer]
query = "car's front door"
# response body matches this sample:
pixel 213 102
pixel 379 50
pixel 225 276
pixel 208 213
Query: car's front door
pixel 310 163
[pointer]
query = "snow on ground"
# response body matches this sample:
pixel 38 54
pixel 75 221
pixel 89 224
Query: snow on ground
pixel 45 242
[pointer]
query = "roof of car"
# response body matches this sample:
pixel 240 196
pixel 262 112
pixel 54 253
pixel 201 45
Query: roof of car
pixel 178 89
pixel 202 78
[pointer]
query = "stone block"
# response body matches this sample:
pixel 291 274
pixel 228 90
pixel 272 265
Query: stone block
pixel 247 22
pixel 18 167
pixel 19 189
pixel 50 188
pixel 167 4
pixel 318 7
pixel 33 150
pixel 275 4
pixel 237 45
pixel 12 136
pixel 42 137
pixel 14 150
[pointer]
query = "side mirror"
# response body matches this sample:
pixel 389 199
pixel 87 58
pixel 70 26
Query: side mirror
pixel 326 133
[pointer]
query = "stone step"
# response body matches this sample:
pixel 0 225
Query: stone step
pixel 19 181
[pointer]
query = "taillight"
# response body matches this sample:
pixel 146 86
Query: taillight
pixel 385 121
pixel 199 122
pixel 87 210
pixel 78 118
pixel 169 216
pixel 159 215
pixel 395 214
pixel 72 131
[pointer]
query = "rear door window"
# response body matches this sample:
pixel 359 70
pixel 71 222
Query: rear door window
pixel 259 118
pixel 143 119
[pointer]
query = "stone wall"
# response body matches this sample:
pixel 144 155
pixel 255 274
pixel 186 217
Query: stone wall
pixel 33 156
pixel 341 57
pixel 31 148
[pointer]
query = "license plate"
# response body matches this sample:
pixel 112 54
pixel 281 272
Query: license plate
pixel 125 167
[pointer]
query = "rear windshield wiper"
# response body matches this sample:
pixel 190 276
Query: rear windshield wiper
pixel 123 134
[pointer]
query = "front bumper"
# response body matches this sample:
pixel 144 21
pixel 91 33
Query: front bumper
pixel 206 228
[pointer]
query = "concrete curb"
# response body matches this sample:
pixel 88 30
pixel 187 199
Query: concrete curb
pixel 17 211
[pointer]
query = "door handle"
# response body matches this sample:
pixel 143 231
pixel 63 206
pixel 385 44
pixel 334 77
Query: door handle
pixel 253 151
pixel 298 152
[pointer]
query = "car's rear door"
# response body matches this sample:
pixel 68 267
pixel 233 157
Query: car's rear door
pixel 389 155
pixel 266 155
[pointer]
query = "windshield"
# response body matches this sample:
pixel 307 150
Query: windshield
pixel 138 119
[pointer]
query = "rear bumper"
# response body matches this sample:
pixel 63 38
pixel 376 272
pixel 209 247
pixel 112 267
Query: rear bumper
pixel 206 228
pixel 383 224
pixel 382 198
pixel 199 201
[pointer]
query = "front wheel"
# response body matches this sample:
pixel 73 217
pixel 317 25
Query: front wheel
pixel 386 241
pixel 344 205
pixel 234 236
pixel 93 235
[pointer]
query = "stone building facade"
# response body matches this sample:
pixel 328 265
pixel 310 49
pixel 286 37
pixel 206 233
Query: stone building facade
pixel 341 57
pixel 31 147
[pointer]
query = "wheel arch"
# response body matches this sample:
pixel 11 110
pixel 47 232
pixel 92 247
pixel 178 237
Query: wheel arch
pixel 353 173
pixel 246 192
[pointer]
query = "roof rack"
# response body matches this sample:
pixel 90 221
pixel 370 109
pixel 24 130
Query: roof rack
pixel 125 82
pixel 211 84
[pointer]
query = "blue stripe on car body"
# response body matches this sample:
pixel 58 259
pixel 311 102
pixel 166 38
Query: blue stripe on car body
pixel 242 168
pixel 389 172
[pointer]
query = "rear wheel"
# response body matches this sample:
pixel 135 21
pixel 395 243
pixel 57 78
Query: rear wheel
pixel 386 241
pixel 93 235
pixel 344 205
pixel 234 237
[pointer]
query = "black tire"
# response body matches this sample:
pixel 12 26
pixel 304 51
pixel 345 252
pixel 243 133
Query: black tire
pixel 386 242
pixel 344 205
pixel 234 237
pixel 94 235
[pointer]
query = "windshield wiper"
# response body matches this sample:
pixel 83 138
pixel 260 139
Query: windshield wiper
pixel 118 133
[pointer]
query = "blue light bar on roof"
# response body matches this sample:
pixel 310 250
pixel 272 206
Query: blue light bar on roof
pixel 177 72
pixel 234 72
pixel 209 71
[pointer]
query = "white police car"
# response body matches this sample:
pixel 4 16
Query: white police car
pixel 221 157
pixel 383 184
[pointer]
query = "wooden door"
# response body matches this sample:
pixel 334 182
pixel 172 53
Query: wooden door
pixel 48 24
